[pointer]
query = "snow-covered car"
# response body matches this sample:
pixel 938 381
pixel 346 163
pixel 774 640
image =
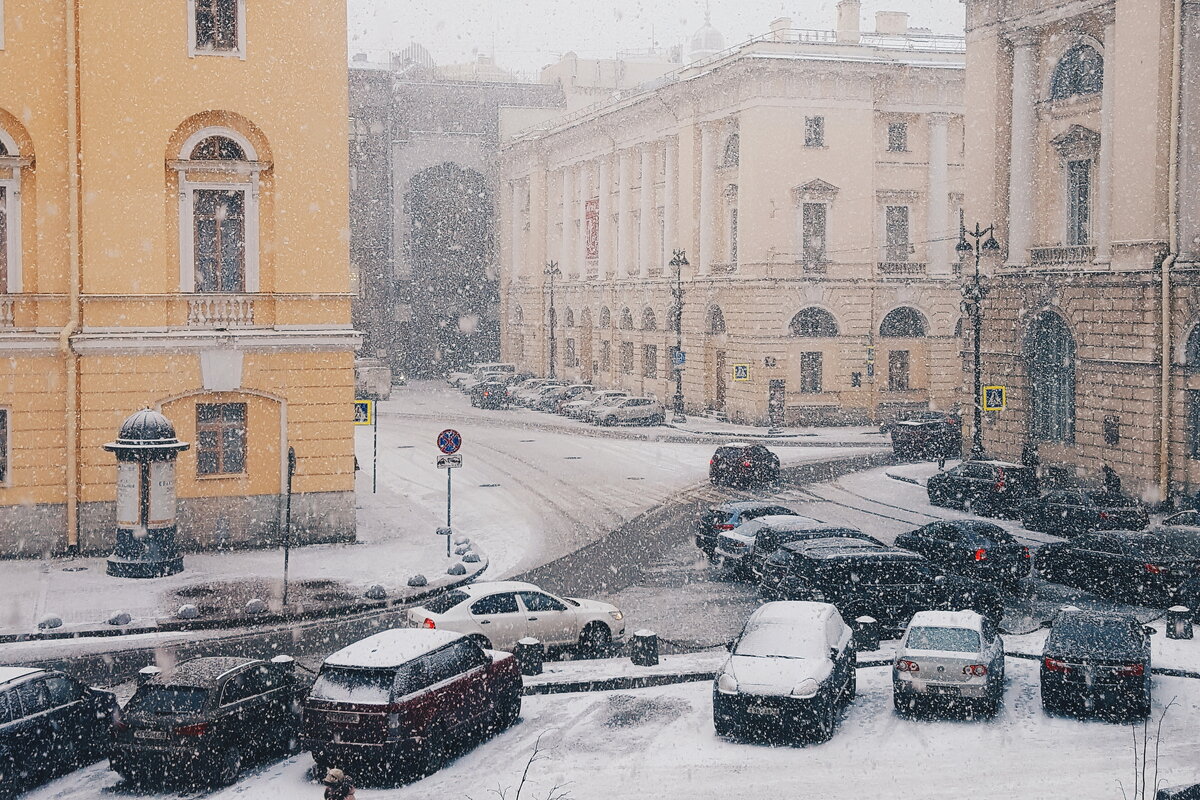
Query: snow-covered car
pixel 527 395
pixel 582 409
pixel 789 672
pixel 734 546
pixel 642 410
pixel 569 394
pixel 549 400
pixel 499 614
pixel 746 549
pixel 949 659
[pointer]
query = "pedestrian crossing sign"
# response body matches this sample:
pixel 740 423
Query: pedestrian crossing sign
pixel 741 372
pixel 364 412
pixel 994 398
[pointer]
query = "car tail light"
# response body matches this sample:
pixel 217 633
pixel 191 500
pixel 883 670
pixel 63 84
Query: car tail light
pixel 981 554
pixel 1103 515
pixel 712 461
pixel 747 464
pixel 199 729
pixel 487 394
pixel 428 623
pixel 1130 671
pixel 999 480
pixel 904 665
pixel 975 670
pixel 725 526
pixel 1025 552
pixel 1154 569
pixel 1054 665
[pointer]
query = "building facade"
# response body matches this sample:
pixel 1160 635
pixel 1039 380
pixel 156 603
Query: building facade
pixel 1084 149
pixel 813 179
pixel 181 243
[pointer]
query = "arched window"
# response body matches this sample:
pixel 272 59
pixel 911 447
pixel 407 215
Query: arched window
pixel 570 318
pixel 673 319
pixel 1191 351
pixel 626 319
pixel 715 324
pixel 1079 72
pixel 605 318
pixel 1050 355
pixel 11 165
pixel 649 323
pixel 732 151
pixel 814 322
pixel 904 323
pixel 218 219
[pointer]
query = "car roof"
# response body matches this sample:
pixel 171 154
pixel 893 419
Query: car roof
pixel 746 505
pixel 735 444
pixel 201 672
pixel 796 522
pixel 1092 615
pixel 10 674
pixel 391 648
pixel 492 587
pixel 993 463
pixel 947 619
pixel 844 548
pixel 792 612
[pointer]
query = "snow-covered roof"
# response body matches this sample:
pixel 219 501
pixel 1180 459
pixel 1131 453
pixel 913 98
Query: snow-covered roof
pixel 792 612
pixel 947 619
pixel 995 463
pixel 796 522
pixel 491 587
pixel 736 444
pixel 16 673
pixel 202 672
pixel 391 648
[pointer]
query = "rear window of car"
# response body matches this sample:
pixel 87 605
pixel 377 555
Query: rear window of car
pixel 988 533
pixel 1095 637
pixel 959 640
pixel 168 700
pixel 348 685
pixel 443 603
pixel 732 452
pixel 877 573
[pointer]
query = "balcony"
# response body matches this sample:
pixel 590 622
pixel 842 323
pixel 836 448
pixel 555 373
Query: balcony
pixel 6 311
pixel 814 267
pixel 220 311
pixel 901 268
pixel 1062 257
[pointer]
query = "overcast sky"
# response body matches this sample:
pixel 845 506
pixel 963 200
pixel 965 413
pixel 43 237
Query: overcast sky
pixel 525 35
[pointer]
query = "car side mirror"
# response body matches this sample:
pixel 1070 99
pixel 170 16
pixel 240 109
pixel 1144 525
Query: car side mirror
pixel 833 654
pixel 1149 631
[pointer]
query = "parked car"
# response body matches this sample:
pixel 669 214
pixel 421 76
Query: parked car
pixel 1182 530
pixel 927 435
pixel 1067 512
pixel 524 393
pixel 1131 566
pixel 717 519
pixel 789 672
pixel 602 401
pixel 549 397
pixel 983 487
pixel 950 659
pixel 970 547
pixel 741 464
pixel 498 614
pixel 398 702
pixel 864 578
pixel 642 410
pixel 745 550
pixel 205 719
pixel 570 394
pixel 490 394
pixel 1097 661
pixel 50 723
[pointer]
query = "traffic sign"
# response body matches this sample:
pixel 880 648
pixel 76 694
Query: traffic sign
pixel 741 372
pixel 994 398
pixel 449 441
pixel 678 357
pixel 364 412
pixel 453 461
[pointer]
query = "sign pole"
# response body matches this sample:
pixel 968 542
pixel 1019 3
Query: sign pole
pixel 449 473
pixel 375 453
pixel 287 525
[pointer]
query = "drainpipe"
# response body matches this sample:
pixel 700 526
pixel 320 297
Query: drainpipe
pixel 64 337
pixel 1164 433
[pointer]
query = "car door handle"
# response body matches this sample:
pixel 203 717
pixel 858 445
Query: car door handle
pixel 533 619
pixel 485 622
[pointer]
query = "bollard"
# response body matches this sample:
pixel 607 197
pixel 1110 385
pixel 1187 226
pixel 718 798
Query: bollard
pixel 375 592
pixel 866 634
pixel 146 674
pixel 644 650
pixel 530 655
pixel 1179 622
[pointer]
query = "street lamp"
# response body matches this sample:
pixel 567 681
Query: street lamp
pixel 552 271
pixel 973 291
pixel 678 262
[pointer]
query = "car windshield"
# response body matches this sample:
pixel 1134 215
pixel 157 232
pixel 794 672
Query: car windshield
pixel 782 641
pixel 960 640
pixel 168 700
pixel 349 685
pixel 443 603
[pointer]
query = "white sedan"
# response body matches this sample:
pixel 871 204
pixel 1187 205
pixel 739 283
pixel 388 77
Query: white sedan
pixel 499 614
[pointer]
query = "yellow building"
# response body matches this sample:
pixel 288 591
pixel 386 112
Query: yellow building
pixel 174 234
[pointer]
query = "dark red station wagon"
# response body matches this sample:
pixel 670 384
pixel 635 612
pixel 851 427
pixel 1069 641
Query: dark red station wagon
pixel 400 701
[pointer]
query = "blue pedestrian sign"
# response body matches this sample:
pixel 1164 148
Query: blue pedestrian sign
pixel 678 357
pixel 449 441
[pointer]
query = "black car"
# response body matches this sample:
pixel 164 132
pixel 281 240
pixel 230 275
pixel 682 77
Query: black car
pixel 1132 566
pixel 490 394
pixel 1097 661
pixel 715 520
pixel 983 487
pixel 864 578
pixel 1066 512
pixel 739 464
pixel 927 435
pixel 204 720
pixel 747 549
pixel 970 547
pixel 49 724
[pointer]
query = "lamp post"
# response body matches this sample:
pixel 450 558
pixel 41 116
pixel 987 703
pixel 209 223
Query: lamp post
pixel 974 290
pixel 552 271
pixel 678 262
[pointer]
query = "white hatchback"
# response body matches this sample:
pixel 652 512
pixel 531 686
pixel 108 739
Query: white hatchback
pixel 949 658
pixel 499 614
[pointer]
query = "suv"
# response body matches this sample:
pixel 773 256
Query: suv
pixel 741 464
pixel 984 487
pixel 397 701
pixel 203 719
pixel 49 724
pixel 715 520
pixel 645 410
pixel 865 578
pixel 926 435
pixel 746 549
pixel 1070 511
pixel 489 394
pixel 970 547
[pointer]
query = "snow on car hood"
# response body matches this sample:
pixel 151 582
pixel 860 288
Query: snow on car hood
pixel 592 605
pixel 766 675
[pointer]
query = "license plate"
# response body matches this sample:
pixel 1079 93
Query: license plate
pixel 150 734
pixel 343 718
pixel 763 711
pixel 938 689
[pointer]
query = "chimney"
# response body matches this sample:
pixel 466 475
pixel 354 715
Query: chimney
pixel 891 23
pixel 848 13
pixel 780 28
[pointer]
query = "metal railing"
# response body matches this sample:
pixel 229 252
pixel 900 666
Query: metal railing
pixel 220 311
pixel 901 268
pixel 1073 255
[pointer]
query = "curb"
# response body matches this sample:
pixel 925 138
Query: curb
pixel 904 479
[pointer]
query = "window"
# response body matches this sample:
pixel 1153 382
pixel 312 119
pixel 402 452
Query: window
pixel 10 213
pixel 10 709
pixel 649 321
pixel 650 360
pixel 591 228
pixel 1050 354
pixel 496 604
pixel 733 235
pixel 605 318
pixel 732 151
pixel 813 322
pixel 626 320
pixel 1079 190
pixel 898 137
pixel 903 323
pixel 895 223
pixel 813 224
pixel 898 370
pixel 627 357
pixel 814 131
pixel 1194 426
pixel 716 321
pixel 217 27
pixel 221 438
pixel 536 601
pixel 1079 72
pixel 220 240
pixel 606 356
pixel 569 357
pixel 34 697
pixel 62 690
pixel 3 446
pixel 810 373
pixel 3 239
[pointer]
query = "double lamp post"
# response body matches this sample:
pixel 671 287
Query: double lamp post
pixel 974 289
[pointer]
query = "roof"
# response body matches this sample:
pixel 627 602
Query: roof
pixel 796 522
pixel 491 587
pixel 202 672
pixel 838 547
pixel 792 612
pixel 391 648
pixel 1093 614
pixel 744 505
pixel 947 619
pixel 8 674
pixel 994 463
pixel 736 444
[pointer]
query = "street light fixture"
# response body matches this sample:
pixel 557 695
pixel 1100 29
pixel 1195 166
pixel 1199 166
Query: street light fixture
pixel 974 290
pixel 678 262
pixel 552 271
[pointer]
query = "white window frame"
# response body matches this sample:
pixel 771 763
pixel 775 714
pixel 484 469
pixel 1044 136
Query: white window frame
pixel 1 24
pixel 194 51
pixel 12 209
pixel 246 174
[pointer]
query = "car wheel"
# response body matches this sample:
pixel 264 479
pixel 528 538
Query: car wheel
pixel 826 722
pixel 435 752
pixel 851 685
pixel 594 640
pixel 482 641
pixel 228 767
pixel 508 711
pixel 658 419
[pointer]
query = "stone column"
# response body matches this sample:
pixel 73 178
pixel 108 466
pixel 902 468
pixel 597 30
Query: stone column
pixel 1102 207
pixel 708 197
pixel 1189 133
pixel 582 180
pixel 604 189
pixel 1021 160
pixel 937 210
pixel 646 212
pixel 518 228
pixel 669 192
pixel 536 251
pixel 623 221
pixel 565 253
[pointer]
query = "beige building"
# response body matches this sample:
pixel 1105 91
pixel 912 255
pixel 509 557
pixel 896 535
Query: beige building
pixel 1084 148
pixel 813 179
